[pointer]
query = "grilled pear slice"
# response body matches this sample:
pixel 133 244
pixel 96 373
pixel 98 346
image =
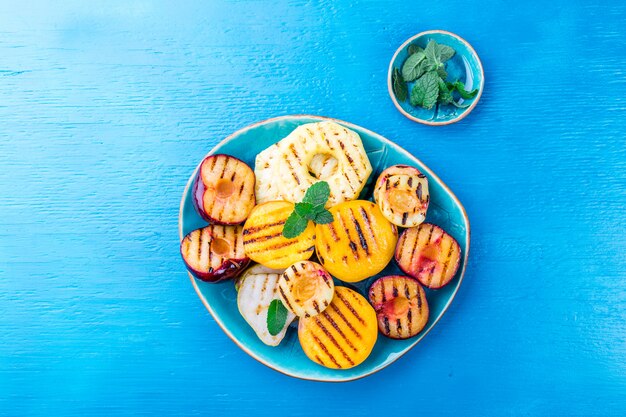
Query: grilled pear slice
pixel 224 190
pixel 428 253
pixel 215 252
pixel 401 306
pixel 306 288
pixel 263 239
pixel 258 287
pixel 343 335
pixel 401 192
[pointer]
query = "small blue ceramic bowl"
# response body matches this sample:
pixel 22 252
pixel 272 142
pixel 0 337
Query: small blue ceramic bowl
pixel 220 299
pixel 464 66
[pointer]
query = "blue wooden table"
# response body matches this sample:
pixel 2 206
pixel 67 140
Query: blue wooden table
pixel 106 108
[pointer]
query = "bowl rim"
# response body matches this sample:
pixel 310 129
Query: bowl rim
pixel 427 122
pixel 388 142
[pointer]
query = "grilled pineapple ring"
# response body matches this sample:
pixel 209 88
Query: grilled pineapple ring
pixel 282 170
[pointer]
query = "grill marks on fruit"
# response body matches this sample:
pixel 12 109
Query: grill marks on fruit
pixel 264 241
pixel 213 247
pixel 428 253
pixel 359 232
pixel 228 195
pixel 402 195
pixel 336 337
pixel 400 304
pixel 336 309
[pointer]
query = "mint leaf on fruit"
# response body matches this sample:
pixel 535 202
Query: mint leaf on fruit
pixel 304 210
pixel 400 88
pixel 411 66
pixel 294 225
pixel 324 217
pixel 276 317
pixel 310 209
pixel 317 194
pixel 426 90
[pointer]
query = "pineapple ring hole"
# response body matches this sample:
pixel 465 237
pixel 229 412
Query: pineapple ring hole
pixel 224 188
pixel 318 163
pixel 220 246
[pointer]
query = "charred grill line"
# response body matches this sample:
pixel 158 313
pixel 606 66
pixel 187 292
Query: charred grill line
pixel 394 289
pixel 294 269
pixel 336 327
pixel 316 306
pixel 405 216
pixel 399 326
pixel 359 232
pixel 325 349
pixel 262 238
pixel 352 310
pixel 410 182
pixel 333 232
pixel 447 262
pixel 418 191
pixel 386 323
pixel 285 298
pixel 345 320
pixel 255 229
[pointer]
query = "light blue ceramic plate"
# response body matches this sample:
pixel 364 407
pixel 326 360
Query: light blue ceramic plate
pixel 220 299
pixel 464 66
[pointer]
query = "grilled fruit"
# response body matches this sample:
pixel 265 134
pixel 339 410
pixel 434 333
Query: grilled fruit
pixel 263 240
pixel 282 170
pixel 215 252
pixel 401 306
pixel 402 194
pixel 224 190
pixel 306 288
pixel 358 243
pixel 267 187
pixel 429 254
pixel 258 287
pixel 343 335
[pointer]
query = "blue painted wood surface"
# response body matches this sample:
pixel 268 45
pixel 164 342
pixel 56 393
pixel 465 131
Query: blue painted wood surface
pixel 105 109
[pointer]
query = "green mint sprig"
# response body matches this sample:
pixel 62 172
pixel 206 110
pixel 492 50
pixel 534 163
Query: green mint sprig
pixel 276 317
pixel 427 68
pixel 311 208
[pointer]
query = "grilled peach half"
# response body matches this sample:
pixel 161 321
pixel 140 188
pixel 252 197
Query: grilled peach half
pixel 428 253
pixel 224 190
pixel 358 243
pixel 343 335
pixel 263 239
pixel 400 305
pixel 402 194
pixel 215 252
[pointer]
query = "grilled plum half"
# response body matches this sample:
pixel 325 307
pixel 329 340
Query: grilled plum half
pixel 224 190
pixel 428 253
pixel 402 194
pixel 215 252
pixel 400 305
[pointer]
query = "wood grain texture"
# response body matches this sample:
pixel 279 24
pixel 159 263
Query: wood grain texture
pixel 105 108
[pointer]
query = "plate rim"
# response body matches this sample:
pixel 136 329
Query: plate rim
pixel 426 122
pixel 388 142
